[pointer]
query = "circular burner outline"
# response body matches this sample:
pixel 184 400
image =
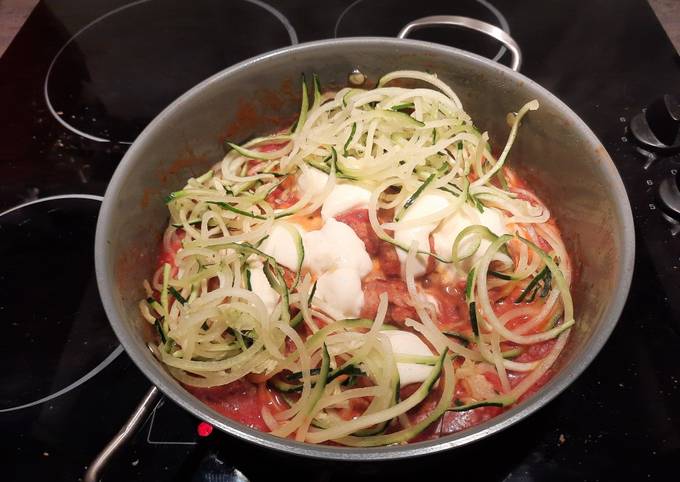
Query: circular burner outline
pixel 106 361
pixel 497 13
pixel 282 18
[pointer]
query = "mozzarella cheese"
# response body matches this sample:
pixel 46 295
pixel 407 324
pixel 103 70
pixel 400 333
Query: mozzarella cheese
pixel 339 258
pixel 445 232
pixel 341 289
pixel 280 245
pixel 334 253
pixel 406 343
pixel 261 287
pixel 344 197
pixel 423 206
pixel 335 246
pixel 466 216
pixel 312 180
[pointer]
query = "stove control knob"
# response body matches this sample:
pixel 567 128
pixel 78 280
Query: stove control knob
pixel 658 126
pixel 669 195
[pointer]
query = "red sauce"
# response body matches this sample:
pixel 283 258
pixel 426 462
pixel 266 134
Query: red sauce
pixel 168 255
pixel 399 307
pixel 453 310
pixel 238 401
pixel 358 221
pixel 456 421
pixel 283 196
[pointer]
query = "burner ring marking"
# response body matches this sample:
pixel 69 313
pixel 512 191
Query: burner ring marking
pixel 106 361
pixel 286 23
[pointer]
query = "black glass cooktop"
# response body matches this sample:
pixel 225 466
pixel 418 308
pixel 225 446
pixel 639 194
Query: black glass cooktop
pixel 82 79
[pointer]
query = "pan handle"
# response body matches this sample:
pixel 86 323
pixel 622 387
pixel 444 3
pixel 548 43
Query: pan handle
pixel 471 23
pixel 130 427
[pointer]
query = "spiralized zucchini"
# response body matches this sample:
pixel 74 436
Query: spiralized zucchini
pixel 401 143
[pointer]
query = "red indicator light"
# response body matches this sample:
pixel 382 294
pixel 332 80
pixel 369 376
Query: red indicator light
pixel 204 429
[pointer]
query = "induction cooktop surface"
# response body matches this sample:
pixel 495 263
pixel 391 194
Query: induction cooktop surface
pixel 80 82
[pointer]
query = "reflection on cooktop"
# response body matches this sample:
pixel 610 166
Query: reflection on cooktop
pixel 169 424
pixel 118 72
pixel 56 333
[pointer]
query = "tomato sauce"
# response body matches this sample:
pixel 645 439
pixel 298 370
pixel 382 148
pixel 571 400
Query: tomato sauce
pixel 239 401
pixel 358 220
pixel 451 305
pixel 283 196
pixel 168 255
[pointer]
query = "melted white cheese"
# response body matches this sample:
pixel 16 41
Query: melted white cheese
pixel 335 246
pixel 445 232
pixel 334 253
pixel 280 245
pixel 406 343
pixel 261 287
pixel 466 216
pixel 341 290
pixel 344 197
pixel 423 206
pixel 312 180
pixel 339 258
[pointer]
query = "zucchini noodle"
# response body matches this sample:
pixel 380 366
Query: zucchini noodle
pixel 242 296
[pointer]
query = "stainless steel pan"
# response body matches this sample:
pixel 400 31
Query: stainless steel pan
pixel 556 151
